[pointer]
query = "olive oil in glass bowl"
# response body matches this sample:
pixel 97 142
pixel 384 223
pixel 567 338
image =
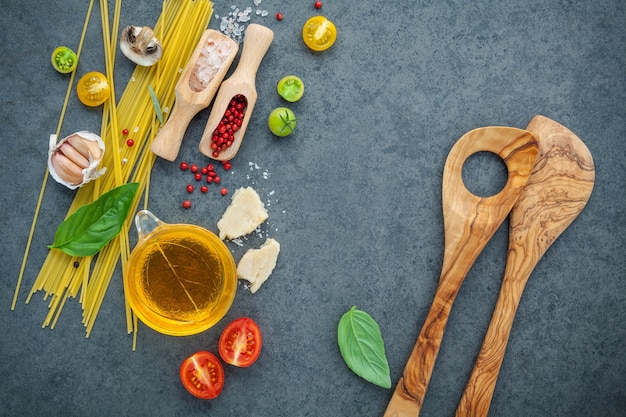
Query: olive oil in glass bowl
pixel 181 279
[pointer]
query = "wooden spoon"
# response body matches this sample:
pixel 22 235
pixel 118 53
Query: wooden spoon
pixel 256 42
pixel 193 94
pixel 557 191
pixel 469 223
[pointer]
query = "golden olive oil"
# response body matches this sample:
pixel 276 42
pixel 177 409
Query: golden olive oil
pixel 181 276
pixel 181 279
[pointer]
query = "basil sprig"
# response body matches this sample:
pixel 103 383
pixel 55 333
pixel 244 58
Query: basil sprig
pixel 93 225
pixel 361 345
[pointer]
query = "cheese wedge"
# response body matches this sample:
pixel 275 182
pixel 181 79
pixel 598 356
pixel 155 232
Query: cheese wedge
pixel 244 214
pixel 256 265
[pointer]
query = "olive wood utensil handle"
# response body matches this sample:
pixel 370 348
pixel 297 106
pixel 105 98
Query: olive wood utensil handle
pixel 557 191
pixel 469 223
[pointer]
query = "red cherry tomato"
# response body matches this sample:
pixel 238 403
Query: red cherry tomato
pixel 240 342
pixel 202 375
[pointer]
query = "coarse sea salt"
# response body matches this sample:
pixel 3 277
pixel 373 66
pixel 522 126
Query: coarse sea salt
pixel 212 56
pixel 233 24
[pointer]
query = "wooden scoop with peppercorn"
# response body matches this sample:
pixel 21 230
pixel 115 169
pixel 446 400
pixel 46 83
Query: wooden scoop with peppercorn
pixel 237 96
pixel 195 89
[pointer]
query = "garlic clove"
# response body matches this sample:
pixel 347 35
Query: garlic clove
pixel 75 160
pixel 140 45
pixel 89 148
pixel 66 169
pixel 70 152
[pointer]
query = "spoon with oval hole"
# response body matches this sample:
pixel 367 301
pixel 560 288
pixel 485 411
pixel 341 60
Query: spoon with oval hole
pixel 469 223
pixel 195 89
pixel 557 191
pixel 256 42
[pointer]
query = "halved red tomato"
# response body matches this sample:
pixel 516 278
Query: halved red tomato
pixel 240 342
pixel 202 375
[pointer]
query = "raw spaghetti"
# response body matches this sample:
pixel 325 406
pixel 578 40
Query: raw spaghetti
pixel 179 28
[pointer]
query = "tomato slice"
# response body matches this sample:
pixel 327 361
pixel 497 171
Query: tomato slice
pixel 64 59
pixel 202 375
pixel 291 88
pixel 319 33
pixel 93 89
pixel 240 342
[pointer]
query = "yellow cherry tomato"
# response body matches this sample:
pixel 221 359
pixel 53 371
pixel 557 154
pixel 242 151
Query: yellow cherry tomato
pixel 319 33
pixel 93 89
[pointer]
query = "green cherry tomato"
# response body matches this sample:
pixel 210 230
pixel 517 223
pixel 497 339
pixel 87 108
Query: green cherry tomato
pixel 291 88
pixel 64 59
pixel 282 121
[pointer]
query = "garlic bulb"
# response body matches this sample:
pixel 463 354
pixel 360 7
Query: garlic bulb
pixel 74 161
pixel 140 45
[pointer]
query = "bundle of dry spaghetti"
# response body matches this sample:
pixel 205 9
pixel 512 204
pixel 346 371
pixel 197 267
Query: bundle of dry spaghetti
pixel 61 276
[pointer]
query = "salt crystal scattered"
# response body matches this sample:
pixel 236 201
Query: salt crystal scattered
pixel 264 13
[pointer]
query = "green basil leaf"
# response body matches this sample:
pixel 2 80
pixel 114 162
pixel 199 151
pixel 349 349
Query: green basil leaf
pixel 156 104
pixel 93 225
pixel 361 345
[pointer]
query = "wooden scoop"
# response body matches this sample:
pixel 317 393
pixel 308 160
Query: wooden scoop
pixel 557 191
pixel 256 42
pixel 194 92
pixel 469 223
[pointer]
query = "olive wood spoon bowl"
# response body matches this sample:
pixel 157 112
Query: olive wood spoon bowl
pixel 558 189
pixel 469 222
pixel 189 101
pixel 256 42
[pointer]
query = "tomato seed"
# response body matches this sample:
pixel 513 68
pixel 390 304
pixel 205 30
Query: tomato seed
pixel 125 132
pixel 224 191
pixel 198 176
pixel 190 188
pixel 130 142
pixel 318 4
pixel 194 168
pixel 184 166
pixel 279 16
pixel 186 204
pixel 204 189
pixel 217 179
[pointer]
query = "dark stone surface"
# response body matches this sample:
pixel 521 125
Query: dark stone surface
pixel 354 199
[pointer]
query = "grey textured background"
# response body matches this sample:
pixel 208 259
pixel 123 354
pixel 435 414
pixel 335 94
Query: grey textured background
pixel 354 198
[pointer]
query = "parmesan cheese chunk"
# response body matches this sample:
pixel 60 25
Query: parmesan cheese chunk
pixel 256 265
pixel 244 214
